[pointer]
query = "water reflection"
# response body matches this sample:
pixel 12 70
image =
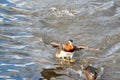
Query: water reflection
pixel 49 73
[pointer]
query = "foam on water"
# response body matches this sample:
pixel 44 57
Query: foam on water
pixel 4 76
pixel 17 57
pixel 12 70
pixel 4 64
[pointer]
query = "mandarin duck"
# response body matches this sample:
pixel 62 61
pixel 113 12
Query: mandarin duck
pixel 67 50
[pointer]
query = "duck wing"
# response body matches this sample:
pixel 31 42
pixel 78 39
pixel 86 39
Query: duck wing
pixel 88 48
pixel 54 44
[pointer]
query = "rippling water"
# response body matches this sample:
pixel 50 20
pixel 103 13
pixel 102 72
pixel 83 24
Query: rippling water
pixel 27 25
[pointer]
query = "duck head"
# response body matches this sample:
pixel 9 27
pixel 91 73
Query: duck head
pixel 68 46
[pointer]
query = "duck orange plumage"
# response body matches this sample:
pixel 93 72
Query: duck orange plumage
pixel 68 47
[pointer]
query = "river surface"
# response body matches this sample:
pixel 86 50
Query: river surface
pixel 27 25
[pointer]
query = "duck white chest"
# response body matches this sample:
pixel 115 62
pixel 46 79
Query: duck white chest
pixel 65 54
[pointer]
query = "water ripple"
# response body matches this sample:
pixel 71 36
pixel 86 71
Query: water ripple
pixel 111 51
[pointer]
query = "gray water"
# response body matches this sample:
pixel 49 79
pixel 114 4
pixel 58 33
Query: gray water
pixel 27 25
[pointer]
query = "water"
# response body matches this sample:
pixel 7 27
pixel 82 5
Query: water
pixel 27 25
